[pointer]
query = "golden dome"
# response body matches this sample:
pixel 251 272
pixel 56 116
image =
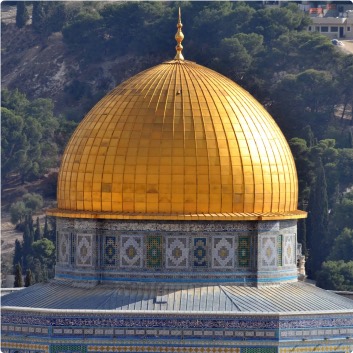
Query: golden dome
pixel 177 141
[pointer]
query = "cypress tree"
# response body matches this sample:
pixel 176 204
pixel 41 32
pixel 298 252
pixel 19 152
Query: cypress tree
pixel 46 233
pixel 37 233
pixel 38 16
pixel 29 278
pixel 18 277
pixel 302 236
pixel 28 238
pixel 17 257
pixel 317 222
pixel 21 14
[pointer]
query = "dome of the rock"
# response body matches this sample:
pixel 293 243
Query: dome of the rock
pixel 178 139
pixel 176 231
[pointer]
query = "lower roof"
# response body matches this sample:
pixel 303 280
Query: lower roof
pixel 297 297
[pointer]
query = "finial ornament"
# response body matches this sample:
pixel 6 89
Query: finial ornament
pixel 179 38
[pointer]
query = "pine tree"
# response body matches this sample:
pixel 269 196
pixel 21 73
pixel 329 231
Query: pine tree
pixel 18 277
pixel 317 222
pixel 21 14
pixel 29 278
pixel 17 257
pixel 37 233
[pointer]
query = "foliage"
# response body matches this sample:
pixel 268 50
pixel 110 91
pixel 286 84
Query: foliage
pixel 28 145
pixel 37 257
pixel 337 275
pixel 17 257
pixel 22 15
pixel 18 211
pixel 48 16
pixel 37 232
pixel 317 222
pixel 29 278
pixel 44 251
pixel 30 203
pixel 342 214
pixel 18 276
pixel 343 246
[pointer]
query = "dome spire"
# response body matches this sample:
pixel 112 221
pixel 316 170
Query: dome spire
pixel 179 36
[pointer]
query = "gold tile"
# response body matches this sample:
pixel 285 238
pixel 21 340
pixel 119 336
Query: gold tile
pixel 207 142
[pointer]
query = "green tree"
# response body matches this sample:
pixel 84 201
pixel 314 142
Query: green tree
pixel 37 232
pixel 342 214
pixel 336 275
pixel 343 246
pixel 28 146
pixel 38 16
pixel 18 211
pixel 28 238
pixel 21 14
pixel 17 257
pixel 29 278
pixel 44 251
pixel 33 201
pixel 317 222
pixel 46 233
pixel 18 276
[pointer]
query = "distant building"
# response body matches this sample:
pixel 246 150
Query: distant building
pixel 177 231
pixel 334 21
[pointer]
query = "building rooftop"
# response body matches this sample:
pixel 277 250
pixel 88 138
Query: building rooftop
pixel 297 297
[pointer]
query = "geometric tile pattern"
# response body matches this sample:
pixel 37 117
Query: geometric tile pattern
pixel 154 251
pixel 23 347
pixel 73 248
pixel 259 350
pixel 200 252
pixel 289 249
pixel 177 252
pixel 110 251
pixel 279 250
pixel 268 251
pixel 68 348
pixel 160 349
pixel 131 251
pixel 64 248
pixel 84 250
pixel 223 252
pixel 244 251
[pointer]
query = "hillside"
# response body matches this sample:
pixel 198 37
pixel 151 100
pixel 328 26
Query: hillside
pixel 44 67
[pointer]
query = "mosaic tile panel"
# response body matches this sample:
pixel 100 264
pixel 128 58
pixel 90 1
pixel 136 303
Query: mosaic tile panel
pixel 177 252
pixel 13 347
pixel 200 252
pixel 259 350
pixel 131 251
pixel 223 252
pixel 73 248
pixel 84 250
pixel 163 349
pixel 154 251
pixel 318 348
pixel 243 251
pixel 68 348
pixel 268 251
pixel 64 248
pixel 279 250
pixel 110 251
pixel 289 249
